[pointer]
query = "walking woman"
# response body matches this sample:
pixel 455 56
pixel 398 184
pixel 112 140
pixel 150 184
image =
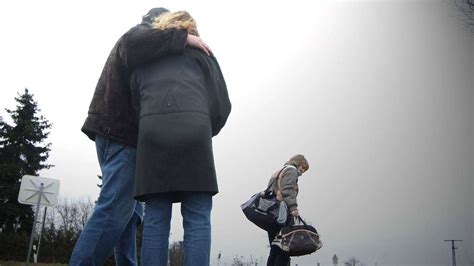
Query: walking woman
pixel 286 188
pixel 182 102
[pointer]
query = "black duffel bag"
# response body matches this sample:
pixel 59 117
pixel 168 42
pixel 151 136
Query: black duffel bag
pixel 298 239
pixel 265 210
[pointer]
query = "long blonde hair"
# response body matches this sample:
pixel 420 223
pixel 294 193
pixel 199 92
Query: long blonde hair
pixel 179 20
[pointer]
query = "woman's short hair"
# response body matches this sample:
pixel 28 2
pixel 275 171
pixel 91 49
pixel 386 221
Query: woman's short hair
pixel 299 160
pixel 178 20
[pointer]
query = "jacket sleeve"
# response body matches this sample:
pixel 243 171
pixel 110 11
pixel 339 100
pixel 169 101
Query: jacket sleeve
pixel 218 96
pixel 288 184
pixel 143 44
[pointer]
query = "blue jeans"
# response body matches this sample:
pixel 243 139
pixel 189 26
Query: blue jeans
pixel 112 225
pixel 125 251
pixel 196 212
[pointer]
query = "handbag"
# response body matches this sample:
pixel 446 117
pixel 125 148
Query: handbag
pixel 265 210
pixel 298 239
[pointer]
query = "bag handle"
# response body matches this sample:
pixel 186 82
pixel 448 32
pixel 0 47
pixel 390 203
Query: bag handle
pixel 298 218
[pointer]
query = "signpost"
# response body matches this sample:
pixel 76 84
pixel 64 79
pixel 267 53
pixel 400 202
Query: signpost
pixel 37 191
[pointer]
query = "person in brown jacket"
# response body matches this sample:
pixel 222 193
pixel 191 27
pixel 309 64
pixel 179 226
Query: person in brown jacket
pixel 286 188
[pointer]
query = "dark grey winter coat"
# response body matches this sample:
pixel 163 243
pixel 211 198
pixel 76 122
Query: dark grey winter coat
pixel 182 102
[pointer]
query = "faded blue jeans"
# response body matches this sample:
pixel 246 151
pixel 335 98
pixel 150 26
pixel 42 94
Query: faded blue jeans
pixel 112 225
pixel 196 210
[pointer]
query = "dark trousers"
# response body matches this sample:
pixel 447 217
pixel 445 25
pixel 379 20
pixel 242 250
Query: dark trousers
pixel 277 256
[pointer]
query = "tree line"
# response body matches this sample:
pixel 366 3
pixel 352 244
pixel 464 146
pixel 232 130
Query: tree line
pixel 24 150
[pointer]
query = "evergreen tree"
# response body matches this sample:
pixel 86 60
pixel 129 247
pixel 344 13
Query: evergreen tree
pixel 22 152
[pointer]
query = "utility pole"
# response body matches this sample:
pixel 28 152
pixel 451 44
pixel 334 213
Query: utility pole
pixel 453 249
pixel 38 203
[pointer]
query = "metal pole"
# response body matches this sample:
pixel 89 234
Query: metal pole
pixel 453 250
pixel 41 233
pixel 30 246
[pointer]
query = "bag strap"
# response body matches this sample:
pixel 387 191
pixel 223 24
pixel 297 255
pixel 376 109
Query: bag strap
pixel 277 177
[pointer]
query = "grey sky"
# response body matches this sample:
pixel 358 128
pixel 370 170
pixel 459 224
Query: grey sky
pixel 377 94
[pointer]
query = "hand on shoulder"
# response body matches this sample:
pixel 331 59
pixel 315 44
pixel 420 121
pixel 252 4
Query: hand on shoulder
pixel 197 42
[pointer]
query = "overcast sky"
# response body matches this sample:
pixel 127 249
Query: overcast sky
pixel 377 94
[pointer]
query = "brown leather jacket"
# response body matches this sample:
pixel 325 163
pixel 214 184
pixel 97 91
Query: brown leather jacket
pixel 110 112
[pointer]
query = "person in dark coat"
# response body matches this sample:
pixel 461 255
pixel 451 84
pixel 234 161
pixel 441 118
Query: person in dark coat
pixel 113 127
pixel 182 102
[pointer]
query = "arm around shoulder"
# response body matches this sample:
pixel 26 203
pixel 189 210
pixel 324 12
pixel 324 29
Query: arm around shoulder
pixel 143 44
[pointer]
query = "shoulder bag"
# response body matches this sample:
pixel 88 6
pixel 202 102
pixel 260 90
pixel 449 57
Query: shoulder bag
pixel 265 210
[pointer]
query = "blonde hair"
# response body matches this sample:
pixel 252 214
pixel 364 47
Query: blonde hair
pixel 178 20
pixel 299 160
